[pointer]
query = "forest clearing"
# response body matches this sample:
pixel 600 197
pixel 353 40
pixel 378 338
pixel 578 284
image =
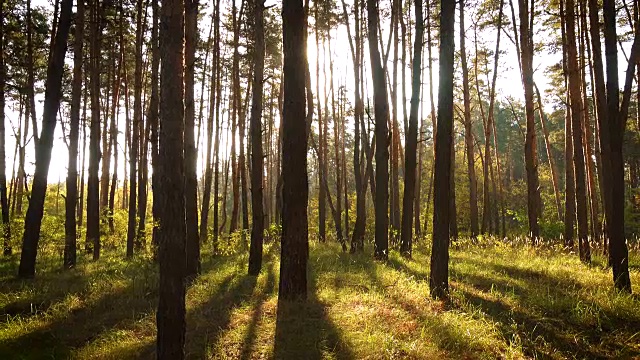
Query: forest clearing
pixel 507 301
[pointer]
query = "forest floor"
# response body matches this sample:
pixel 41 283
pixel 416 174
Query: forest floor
pixel 506 301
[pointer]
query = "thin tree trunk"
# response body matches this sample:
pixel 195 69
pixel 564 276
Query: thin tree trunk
pixel 468 131
pixel 93 183
pixel 6 229
pixel 412 137
pixel 74 127
pixel 552 163
pixel 190 154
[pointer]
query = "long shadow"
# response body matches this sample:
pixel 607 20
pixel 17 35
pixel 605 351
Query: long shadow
pixel 554 327
pixel 58 338
pixel 304 329
pixel 250 336
pixel 207 322
pixel 530 330
pixel 559 287
pixel 52 285
pixel 457 343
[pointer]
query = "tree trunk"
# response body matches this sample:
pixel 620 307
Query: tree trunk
pixel 33 220
pixel 93 182
pixel 619 254
pixel 152 120
pixel 218 89
pixel 531 158
pixel 412 137
pixel 381 109
pixel 468 131
pixel 135 138
pixel 70 227
pixel 6 229
pixel 295 245
pixel 208 166
pixel 439 278
pixel 172 231
pixel 257 163
pixel 395 128
pixel 190 154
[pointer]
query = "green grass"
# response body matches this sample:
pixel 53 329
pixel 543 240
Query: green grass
pixel 506 301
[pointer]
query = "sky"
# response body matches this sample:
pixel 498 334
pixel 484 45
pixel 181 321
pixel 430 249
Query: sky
pixel 508 83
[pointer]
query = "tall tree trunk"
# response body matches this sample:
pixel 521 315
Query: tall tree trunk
pixel 135 138
pixel 591 181
pixel 190 154
pixel 6 229
pixel 70 227
pixel 152 119
pixel 172 231
pixel 412 136
pixel 381 110
pixel 257 162
pixel 33 220
pixel 439 278
pixel 357 239
pixel 337 163
pixel 322 207
pixel 468 131
pixel 577 122
pixel 218 89
pixel 235 178
pixel 395 129
pixel 619 254
pixel 295 245
pixel 93 182
pixel 552 163
pixel 208 166
pixel 530 152
pixel 31 102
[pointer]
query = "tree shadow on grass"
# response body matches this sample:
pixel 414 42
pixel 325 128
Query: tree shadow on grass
pixel 207 322
pixel 304 329
pixel 547 327
pixel 59 337
pixel 250 336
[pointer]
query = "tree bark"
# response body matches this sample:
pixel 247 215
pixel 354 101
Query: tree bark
pixel 439 277
pixel 531 159
pixel 612 153
pixel 468 131
pixel 93 182
pixel 381 109
pixel 6 229
pixel 190 154
pixel 412 137
pixel 295 245
pixel 71 199
pixel 172 231
pixel 257 162
pixel 33 220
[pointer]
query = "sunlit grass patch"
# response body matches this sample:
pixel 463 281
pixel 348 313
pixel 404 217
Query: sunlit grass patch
pixel 507 301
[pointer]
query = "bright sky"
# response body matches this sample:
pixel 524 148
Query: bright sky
pixel 508 83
